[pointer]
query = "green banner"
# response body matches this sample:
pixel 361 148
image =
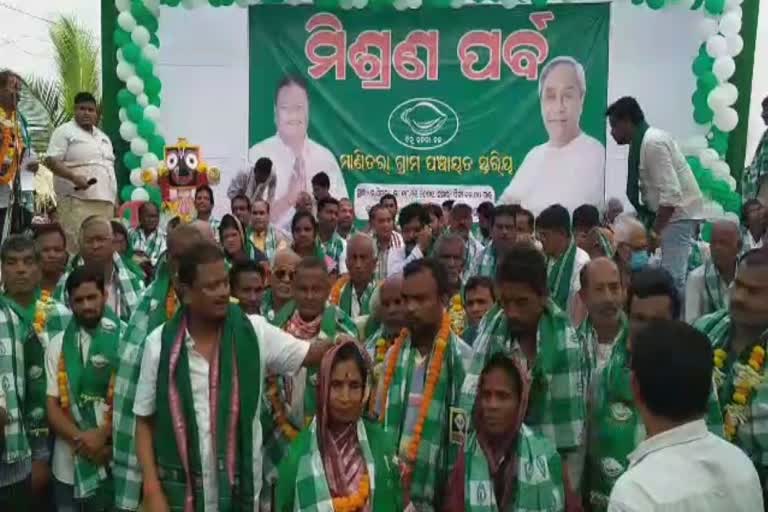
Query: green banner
pixel 477 104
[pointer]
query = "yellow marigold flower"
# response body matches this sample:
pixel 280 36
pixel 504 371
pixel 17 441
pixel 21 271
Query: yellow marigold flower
pixel 721 353
pixel 740 398
pixel 758 350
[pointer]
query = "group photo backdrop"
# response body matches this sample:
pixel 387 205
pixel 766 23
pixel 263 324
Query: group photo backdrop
pixel 234 70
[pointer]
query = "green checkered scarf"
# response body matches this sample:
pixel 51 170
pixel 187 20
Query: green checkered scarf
pixel 485 265
pixel 559 275
pixel 267 305
pixel 755 173
pixel 557 403
pixel 473 248
pixel 539 477
pixel 152 245
pixel 695 259
pixel 617 428
pixel 436 451
pixel 587 333
pixel 130 286
pixel 348 294
pixel 149 315
pixel 312 493
pixel 12 379
pixel 717 290
pixel 333 248
pixel 88 384
pixel 271 241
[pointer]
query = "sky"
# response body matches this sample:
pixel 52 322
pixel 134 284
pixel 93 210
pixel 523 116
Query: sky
pixel 24 42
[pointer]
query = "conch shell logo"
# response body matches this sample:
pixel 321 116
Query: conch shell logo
pixel 424 118
pixel 423 124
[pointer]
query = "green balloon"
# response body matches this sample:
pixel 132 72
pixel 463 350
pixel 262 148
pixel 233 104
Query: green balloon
pixel 694 163
pixel 719 141
pixel 146 128
pixel 153 86
pixel 227 2
pixel 121 37
pixel 637 2
pixel 154 39
pixel 155 195
pixel 131 161
pixel 706 82
pixel 144 68
pixel 172 3
pixel 215 3
pixel 135 112
pixel 539 3
pixel 125 98
pixel 714 7
pixel 655 4
pixel 140 13
pixel 703 116
pixel 131 52
pixel 157 146
pixel 125 193
pixel 702 65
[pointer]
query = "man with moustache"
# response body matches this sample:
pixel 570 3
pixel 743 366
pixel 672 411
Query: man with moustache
pixel 265 237
pixel 503 237
pixel 570 167
pixel 388 310
pixel 450 250
pixel 460 223
pixel 280 290
pixel 352 292
pixel 345 226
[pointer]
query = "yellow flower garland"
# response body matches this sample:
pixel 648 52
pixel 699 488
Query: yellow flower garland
pixel 41 311
pixel 355 501
pixel 278 408
pixel 457 314
pixel 746 379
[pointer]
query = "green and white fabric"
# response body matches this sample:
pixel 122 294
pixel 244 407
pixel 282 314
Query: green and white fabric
pixel 557 403
pixel 616 427
pixel 153 245
pixel 437 451
pixel 485 263
pixel 473 249
pixel 12 380
pixel 716 288
pixel 352 304
pixel 592 347
pixel 129 286
pixel 273 241
pixel 539 477
pixel 752 435
pixel 88 384
pixel 755 174
pixel 149 315
pixel 560 275
pixel 335 248
pixel 267 306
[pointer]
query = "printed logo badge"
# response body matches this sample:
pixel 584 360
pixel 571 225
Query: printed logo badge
pixel 35 372
pixel 621 412
pixel 99 361
pixel 423 123
pixel 611 467
pixel 459 425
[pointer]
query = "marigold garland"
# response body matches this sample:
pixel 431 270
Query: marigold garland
pixel 11 146
pixel 355 501
pixel 41 311
pixel 171 304
pixel 746 379
pixel 432 379
pixel 273 394
pixel 457 314
pixel 338 287
pixel 64 401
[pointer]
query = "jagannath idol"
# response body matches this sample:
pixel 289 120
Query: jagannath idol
pixel 179 175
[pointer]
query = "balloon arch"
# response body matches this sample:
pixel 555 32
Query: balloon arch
pixel 713 100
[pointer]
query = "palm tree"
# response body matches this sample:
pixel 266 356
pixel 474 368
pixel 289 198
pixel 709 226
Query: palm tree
pixel 48 103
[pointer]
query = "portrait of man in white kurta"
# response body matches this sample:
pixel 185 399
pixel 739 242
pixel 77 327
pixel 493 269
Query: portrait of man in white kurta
pixel 570 167
pixel 295 157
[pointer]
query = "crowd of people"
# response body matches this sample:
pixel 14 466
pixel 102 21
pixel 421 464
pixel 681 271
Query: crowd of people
pixel 432 358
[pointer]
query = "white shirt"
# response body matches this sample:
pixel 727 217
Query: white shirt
pixel 666 179
pixel 750 243
pixel 580 259
pixel 696 296
pixel 571 175
pixel 317 159
pixel 687 469
pixel 88 154
pixel 63 463
pixel 280 353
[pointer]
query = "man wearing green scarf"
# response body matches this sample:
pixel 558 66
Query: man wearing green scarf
pixel 671 204
pixel 738 334
pixel 352 293
pixel 157 305
pixel 754 183
pixel 264 236
pixel 503 237
pixel 327 219
pixel 616 427
pixel 198 438
pixel 564 258
pixel 80 368
pixel 43 319
pixel 527 326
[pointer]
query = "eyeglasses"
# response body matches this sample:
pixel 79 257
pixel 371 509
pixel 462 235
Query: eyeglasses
pixel 284 274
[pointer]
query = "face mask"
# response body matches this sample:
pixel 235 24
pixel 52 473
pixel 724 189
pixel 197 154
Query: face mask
pixel 639 260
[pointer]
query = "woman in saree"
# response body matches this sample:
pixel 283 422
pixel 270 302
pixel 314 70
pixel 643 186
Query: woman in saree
pixel 504 466
pixel 341 462
pixel 237 247
pixel 305 242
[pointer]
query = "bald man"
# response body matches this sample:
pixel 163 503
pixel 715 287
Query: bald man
pixel 388 309
pixel 152 311
pixel 124 286
pixel 205 229
pixel 707 288
pixel 280 283
pixel 352 292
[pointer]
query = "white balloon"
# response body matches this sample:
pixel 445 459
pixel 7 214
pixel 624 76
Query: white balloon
pixel 730 92
pixel 707 28
pixel 140 36
pixel 716 99
pixel 135 178
pixel 400 5
pixel 128 131
pixel 122 114
pixel 735 45
pixel 151 53
pixel 708 157
pixel 726 119
pixel 123 5
pixel 721 168
pixel 717 46
pixel 152 112
pixel 142 100
pixel 151 4
pixel 135 85
pixel 732 185
pixel 695 144
pixel 140 194
pixel 139 146
pixel 360 4
pixel 731 5
pixel 345 4
pixel 149 160
pixel 120 57
pixel 724 68
pixel 730 24
pixel 126 21
pixel 414 4
pixel 125 70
